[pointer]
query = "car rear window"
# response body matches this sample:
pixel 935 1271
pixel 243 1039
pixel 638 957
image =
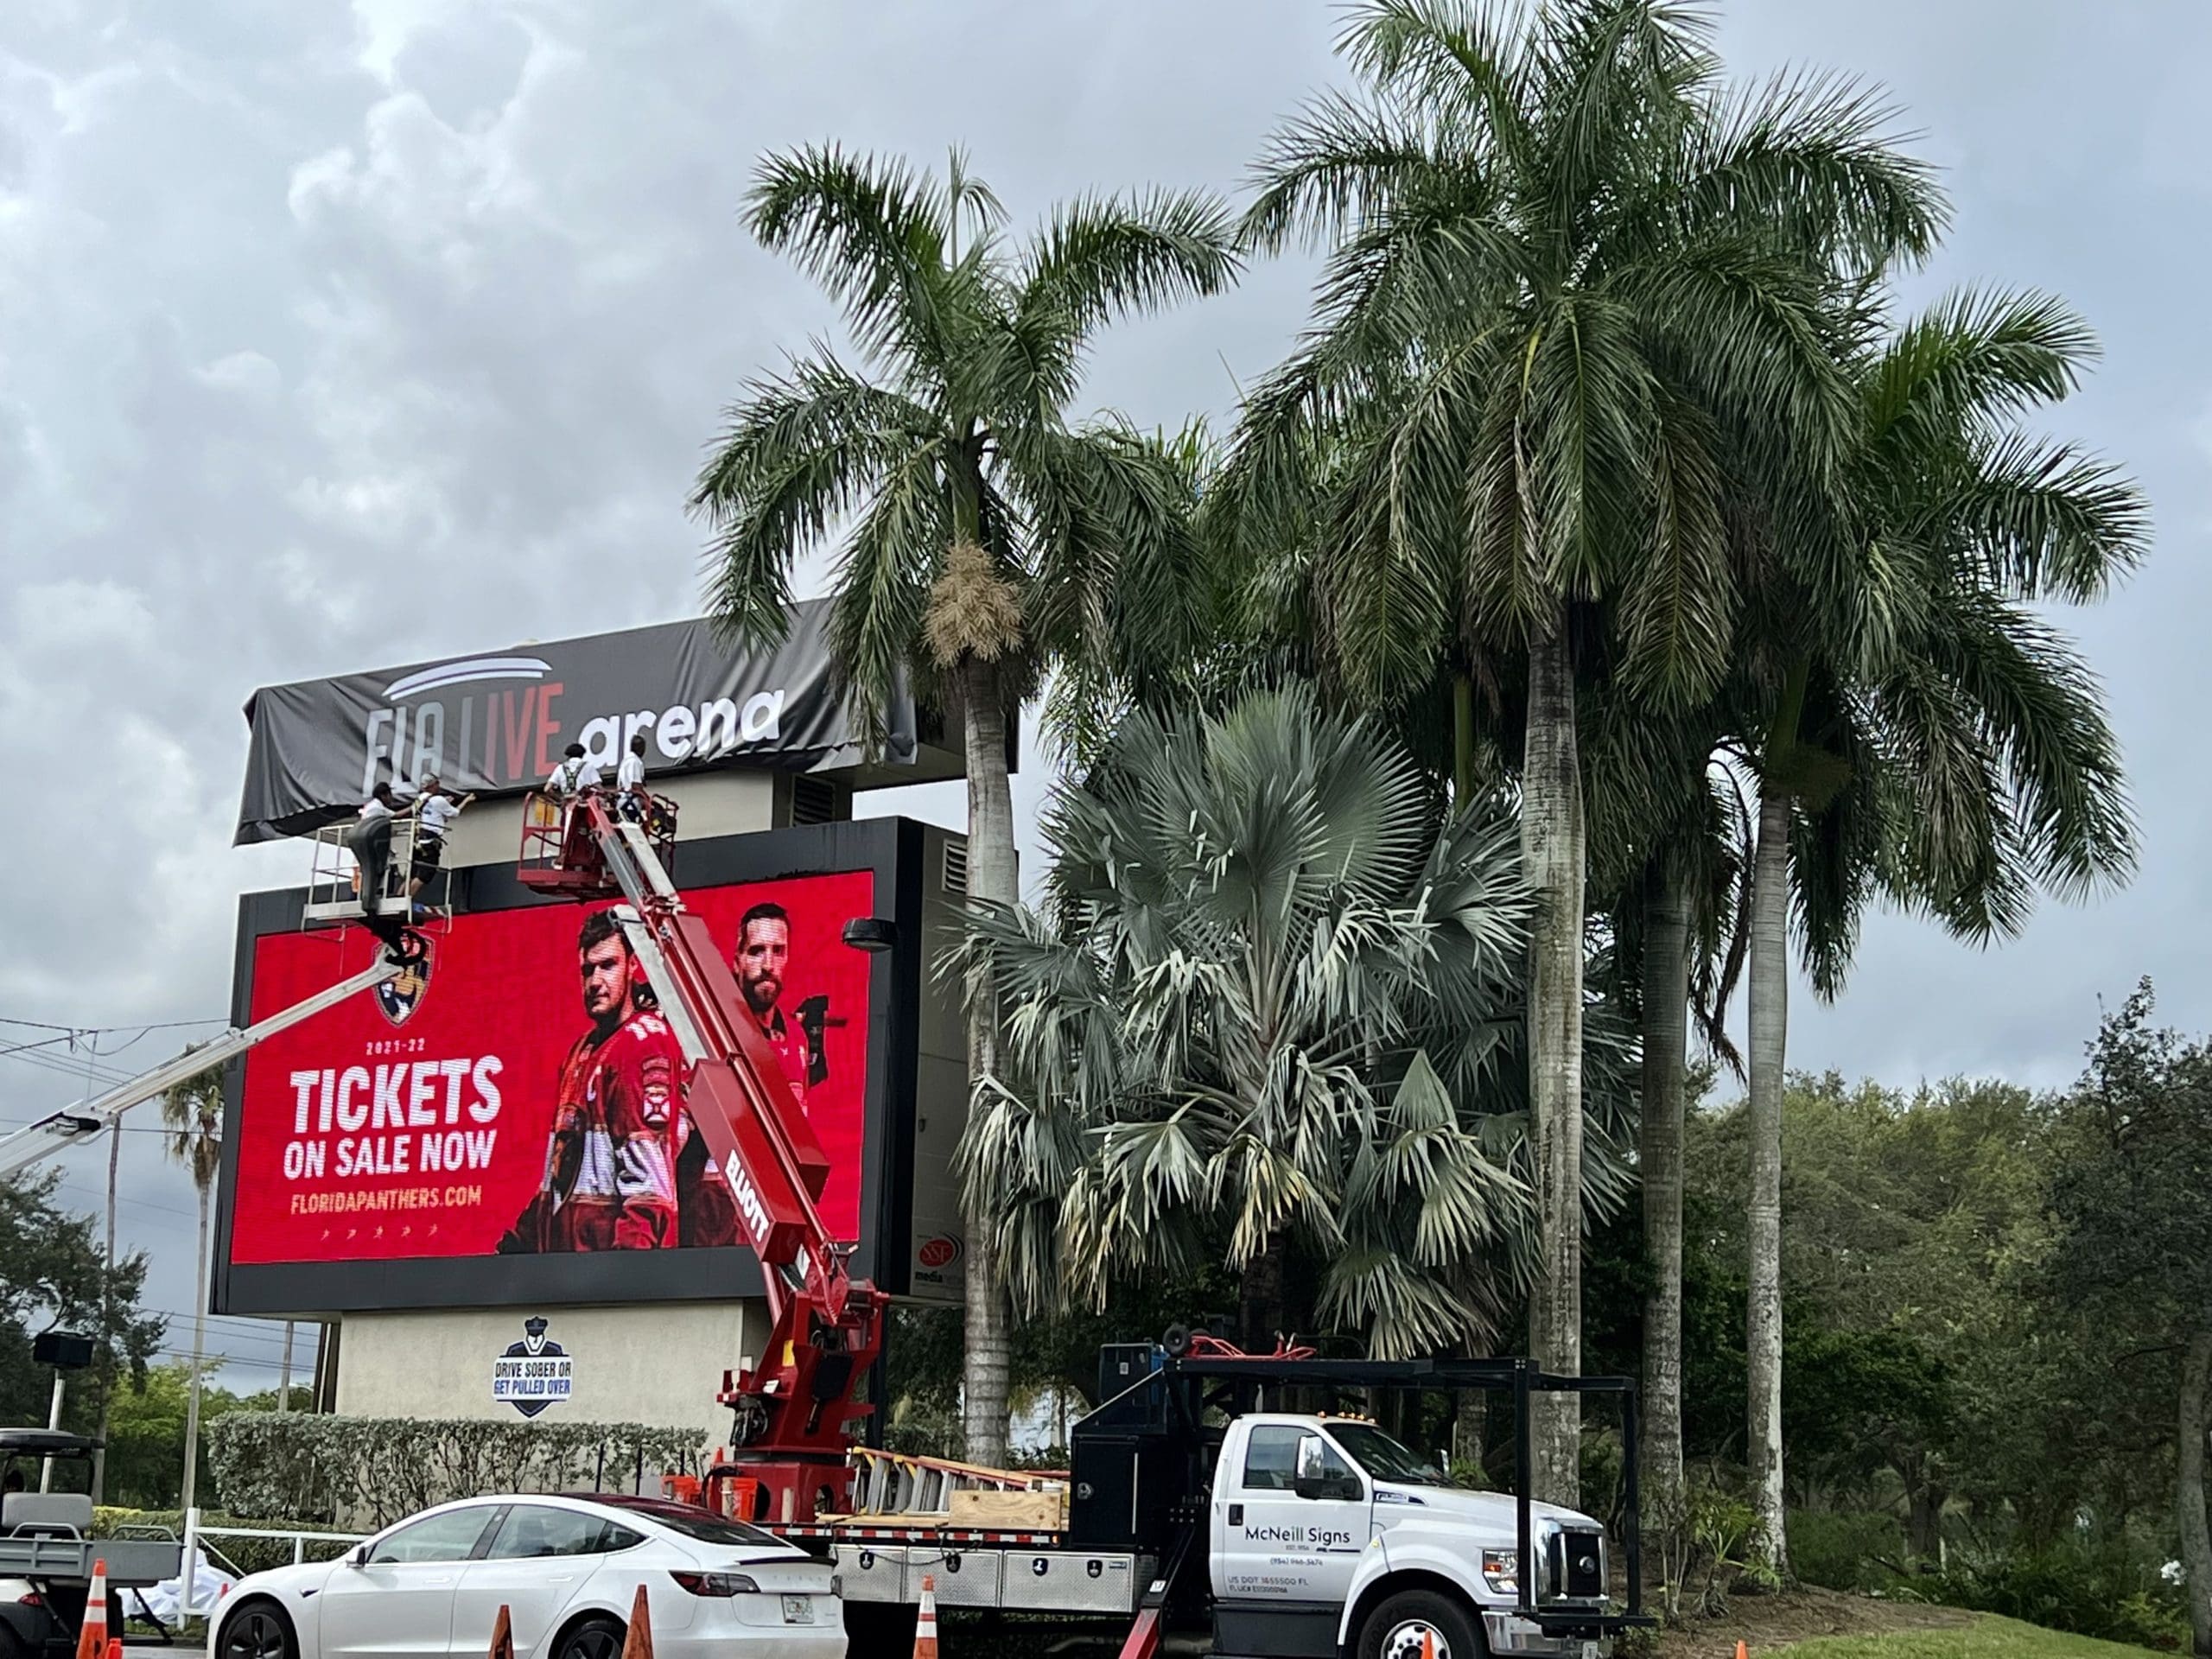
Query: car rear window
pixel 699 1524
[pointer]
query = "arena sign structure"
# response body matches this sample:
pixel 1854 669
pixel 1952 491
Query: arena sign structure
pixel 497 722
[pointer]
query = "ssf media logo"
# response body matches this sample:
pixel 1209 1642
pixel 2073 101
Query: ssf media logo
pixel 399 996
pixel 936 1254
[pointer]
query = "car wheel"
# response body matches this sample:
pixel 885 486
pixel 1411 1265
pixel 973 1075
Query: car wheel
pixel 599 1637
pixel 258 1629
pixel 1397 1626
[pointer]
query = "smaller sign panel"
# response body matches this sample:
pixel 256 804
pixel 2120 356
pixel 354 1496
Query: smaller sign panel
pixel 534 1373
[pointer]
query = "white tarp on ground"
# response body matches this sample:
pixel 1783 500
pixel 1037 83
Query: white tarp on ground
pixel 166 1599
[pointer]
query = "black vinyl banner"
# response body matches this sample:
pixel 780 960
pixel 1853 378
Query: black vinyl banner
pixel 497 724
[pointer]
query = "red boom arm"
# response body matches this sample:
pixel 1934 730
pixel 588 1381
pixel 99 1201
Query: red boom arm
pixel 826 1327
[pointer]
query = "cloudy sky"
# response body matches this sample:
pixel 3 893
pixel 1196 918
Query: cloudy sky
pixel 337 336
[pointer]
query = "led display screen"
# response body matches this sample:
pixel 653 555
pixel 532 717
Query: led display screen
pixel 523 1096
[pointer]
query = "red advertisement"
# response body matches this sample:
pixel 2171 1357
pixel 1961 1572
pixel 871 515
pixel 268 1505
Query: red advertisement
pixel 523 1095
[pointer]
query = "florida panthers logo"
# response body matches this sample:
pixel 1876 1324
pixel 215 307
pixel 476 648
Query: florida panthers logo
pixel 401 995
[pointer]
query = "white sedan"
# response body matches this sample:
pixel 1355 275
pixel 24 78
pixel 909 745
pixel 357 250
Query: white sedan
pixel 567 1571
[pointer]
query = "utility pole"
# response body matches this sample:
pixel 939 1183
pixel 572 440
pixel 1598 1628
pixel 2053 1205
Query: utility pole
pixel 107 1378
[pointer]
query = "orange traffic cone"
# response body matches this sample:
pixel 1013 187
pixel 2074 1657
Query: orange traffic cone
pixel 1428 1645
pixel 92 1633
pixel 925 1626
pixel 1743 1648
pixel 502 1635
pixel 638 1644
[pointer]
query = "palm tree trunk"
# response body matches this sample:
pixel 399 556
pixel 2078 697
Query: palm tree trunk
pixel 1659 1157
pixel 1552 845
pixel 284 1371
pixel 1463 741
pixel 2188 1492
pixel 1263 1297
pixel 1770 1035
pixel 199 1347
pixel 992 878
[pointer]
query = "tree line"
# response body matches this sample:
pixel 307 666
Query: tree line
pixel 1611 595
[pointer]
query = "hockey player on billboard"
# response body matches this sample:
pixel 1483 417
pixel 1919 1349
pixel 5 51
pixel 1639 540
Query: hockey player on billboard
pixel 611 1162
pixel 761 960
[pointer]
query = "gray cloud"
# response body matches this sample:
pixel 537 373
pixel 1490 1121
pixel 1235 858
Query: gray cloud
pixel 331 336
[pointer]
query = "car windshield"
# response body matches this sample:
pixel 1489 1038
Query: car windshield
pixel 1383 1458
pixel 698 1523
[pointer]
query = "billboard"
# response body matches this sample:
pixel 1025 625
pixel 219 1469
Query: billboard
pixel 507 1124
pixel 497 724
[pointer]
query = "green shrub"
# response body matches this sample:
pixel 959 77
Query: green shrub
pixel 2099 1589
pixel 1846 1549
pixel 371 1472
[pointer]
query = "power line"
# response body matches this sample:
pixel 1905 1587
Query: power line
pixel 219 1362
pixel 90 1071
pixel 136 1203
pixel 155 1024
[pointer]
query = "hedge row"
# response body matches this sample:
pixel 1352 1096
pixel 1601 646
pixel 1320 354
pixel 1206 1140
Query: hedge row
pixel 370 1471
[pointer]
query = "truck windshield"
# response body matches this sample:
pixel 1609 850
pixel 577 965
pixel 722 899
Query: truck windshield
pixel 1383 1458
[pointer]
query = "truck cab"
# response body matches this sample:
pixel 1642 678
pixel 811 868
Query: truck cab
pixel 1326 1535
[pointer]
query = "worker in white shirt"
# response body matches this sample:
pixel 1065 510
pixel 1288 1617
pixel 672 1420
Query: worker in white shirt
pixel 577 772
pixel 435 809
pixel 630 779
pixel 371 842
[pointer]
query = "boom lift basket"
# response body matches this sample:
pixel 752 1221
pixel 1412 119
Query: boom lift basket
pixel 335 896
pixel 560 853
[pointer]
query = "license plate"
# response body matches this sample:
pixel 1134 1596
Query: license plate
pixel 800 1610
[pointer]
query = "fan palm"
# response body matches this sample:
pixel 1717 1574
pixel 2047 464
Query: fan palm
pixel 1943 745
pixel 983 536
pixel 1570 271
pixel 1272 1011
pixel 191 1118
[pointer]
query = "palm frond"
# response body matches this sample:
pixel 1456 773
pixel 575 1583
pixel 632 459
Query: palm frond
pixel 873 233
pixel 796 457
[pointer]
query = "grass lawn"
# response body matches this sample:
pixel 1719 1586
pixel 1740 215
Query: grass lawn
pixel 1986 1639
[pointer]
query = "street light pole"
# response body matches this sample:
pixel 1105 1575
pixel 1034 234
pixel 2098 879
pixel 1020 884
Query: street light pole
pixel 52 1421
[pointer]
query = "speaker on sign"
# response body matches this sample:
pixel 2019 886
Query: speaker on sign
pixel 66 1348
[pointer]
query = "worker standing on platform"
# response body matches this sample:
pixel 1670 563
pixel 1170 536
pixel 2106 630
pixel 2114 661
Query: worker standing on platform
pixel 434 810
pixel 370 841
pixel 629 780
pixel 577 772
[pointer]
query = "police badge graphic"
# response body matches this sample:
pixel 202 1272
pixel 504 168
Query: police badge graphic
pixel 533 1373
pixel 401 995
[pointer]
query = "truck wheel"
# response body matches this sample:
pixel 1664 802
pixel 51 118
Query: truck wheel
pixel 1395 1628
pixel 257 1629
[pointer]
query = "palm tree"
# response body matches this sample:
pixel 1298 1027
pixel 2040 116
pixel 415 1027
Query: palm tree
pixel 1669 837
pixel 1570 273
pixel 1941 744
pixel 1271 1011
pixel 192 1113
pixel 984 535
